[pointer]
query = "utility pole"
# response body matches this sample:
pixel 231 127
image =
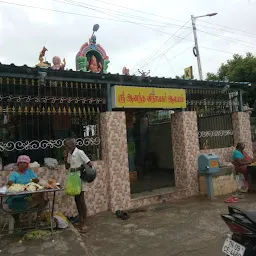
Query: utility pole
pixel 196 52
pixel 196 48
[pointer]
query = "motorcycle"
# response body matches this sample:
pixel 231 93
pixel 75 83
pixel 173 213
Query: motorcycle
pixel 242 224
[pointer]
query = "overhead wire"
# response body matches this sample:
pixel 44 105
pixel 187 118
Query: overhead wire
pixel 90 16
pixel 234 29
pixel 163 46
pixel 110 11
pixel 77 14
pixel 227 31
pixel 234 40
pixel 168 62
pixel 164 51
pixel 135 10
pixel 76 3
pixel 158 51
pixel 149 26
pixel 165 17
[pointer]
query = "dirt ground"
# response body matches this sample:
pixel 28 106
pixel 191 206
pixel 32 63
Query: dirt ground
pixel 190 227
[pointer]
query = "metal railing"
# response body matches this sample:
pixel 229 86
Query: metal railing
pixel 35 118
pixel 215 131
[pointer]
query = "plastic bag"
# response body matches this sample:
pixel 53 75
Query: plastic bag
pixel 73 186
pixel 240 180
pixel 61 220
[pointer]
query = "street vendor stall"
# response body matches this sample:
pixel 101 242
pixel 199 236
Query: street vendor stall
pixel 28 192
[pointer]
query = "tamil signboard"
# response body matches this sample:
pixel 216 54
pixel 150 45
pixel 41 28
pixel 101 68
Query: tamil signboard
pixel 147 97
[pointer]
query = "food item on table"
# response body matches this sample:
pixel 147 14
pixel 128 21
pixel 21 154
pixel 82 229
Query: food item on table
pixel 30 187
pixel 48 185
pixel 44 184
pixel 16 188
pixel 52 183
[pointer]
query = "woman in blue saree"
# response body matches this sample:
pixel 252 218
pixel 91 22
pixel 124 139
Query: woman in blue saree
pixel 23 175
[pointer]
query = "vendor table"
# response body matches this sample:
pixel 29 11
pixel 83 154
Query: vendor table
pixel 49 208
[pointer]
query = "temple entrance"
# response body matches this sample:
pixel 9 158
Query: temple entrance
pixel 150 150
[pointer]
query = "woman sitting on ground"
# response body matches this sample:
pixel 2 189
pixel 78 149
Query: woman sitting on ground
pixel 241 160
pixel 20 203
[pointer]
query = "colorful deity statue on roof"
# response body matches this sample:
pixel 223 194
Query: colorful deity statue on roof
pixel 125 71
pixel 57 64
pixel 42 62
pixel 91 56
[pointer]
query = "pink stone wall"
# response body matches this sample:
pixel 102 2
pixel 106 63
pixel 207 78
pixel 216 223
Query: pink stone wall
pixel 115 154
pixel 185 150
pixel 225 154
pixel 111 189
pixel 242 130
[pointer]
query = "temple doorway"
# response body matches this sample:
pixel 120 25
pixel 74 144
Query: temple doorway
pixel 150 150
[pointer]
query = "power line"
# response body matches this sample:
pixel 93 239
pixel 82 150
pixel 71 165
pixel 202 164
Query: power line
pixel 76 14
pixel 234 40
pixel 156 15
pixel 135 10
pixel 90 16
pixel 234 29
pixel 189 48
pixel 217 50
pixel 99 9
pixel 165 44
pixel 166 50
pixel 162 49
pixel 224 30
pixel 168 62
pixel 82 5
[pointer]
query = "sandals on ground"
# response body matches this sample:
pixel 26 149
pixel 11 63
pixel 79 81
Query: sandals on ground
pixel 122 215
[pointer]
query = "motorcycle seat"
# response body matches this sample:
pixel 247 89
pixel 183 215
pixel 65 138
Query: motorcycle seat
pixel 247 214
pixel 251 216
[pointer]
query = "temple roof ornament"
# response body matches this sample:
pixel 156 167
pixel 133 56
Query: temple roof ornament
pixel 43 63
pixel 91 56
pixel 143 73
pixel 57 64
pixel 126 71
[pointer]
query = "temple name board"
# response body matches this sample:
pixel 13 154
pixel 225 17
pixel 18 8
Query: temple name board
pixel 147 97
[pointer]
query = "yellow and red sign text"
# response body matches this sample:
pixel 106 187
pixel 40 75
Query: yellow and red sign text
pixel 147 97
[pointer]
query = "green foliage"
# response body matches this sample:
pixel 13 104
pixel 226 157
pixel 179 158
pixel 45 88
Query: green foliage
pixel 239 69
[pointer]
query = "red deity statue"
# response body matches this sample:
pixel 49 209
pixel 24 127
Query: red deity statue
pixel 93 65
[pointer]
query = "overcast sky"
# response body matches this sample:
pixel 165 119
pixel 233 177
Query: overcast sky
pixel 24 31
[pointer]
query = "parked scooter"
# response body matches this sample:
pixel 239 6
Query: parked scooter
pixel 242 224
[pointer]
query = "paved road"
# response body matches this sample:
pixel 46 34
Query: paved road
pixel 189 228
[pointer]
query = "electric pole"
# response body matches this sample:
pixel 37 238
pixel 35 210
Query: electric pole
pixel 196 48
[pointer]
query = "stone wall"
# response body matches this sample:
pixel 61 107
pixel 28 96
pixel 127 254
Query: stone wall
pixel 115 155
pixel 186 147
pixel 225 154
pixel 222 185
pixel 242 130
pixel 111 189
